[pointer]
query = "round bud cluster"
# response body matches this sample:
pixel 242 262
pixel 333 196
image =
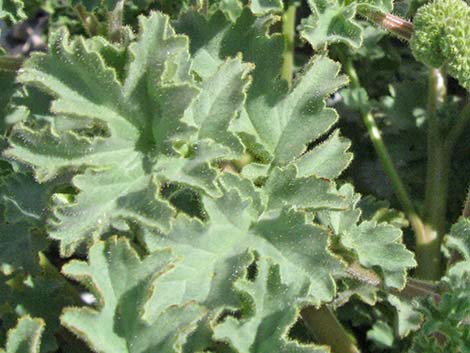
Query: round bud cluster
pixel 442 37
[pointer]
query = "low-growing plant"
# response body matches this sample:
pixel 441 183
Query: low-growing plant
pixel 235 176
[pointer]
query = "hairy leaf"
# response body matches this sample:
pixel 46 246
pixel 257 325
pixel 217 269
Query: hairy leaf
pixel 214 253
pixel 283 188
pixel 334 21
pixel 326 160
pixel 379 245
pixel 147 133
pixel 42 295
pixel 263 6
pixel 266 318
pixel 12 10
pixel 122 283
pixel 459 238
pixel 19 246
pixel 26 336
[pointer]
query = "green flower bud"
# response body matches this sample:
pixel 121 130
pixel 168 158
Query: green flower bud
pixel 442 37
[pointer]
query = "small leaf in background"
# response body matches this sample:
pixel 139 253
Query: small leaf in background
pixel 263 6
pixel 459 238
pixel 43 295
pixel 442 317
pixel 26 336
pixel 12 10
pixel 19 246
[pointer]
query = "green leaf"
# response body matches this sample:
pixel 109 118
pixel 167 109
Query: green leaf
pixel 214 253
pixel 446 327
pixel 326 160
pixel 231 8
pixel 303 245
pixel 333 21
pixel 26 336
pixel 19 246
pixel 24 199
pixel 127 136
pixel 296 119
pixel 246 189
pixel 459 238
pixel 7 88
pixel 382 334
pixel 341 221
pixel 108 4
pixel 284 188
pixel 122 282
pixel 408 319
pixel 220 101
pixel 44 296
pixel 264 6
pixel 12 10
pixel 379 245
pixel 266 319
pixel 126 193
pixel 216 38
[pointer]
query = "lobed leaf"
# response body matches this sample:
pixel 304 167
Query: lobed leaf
pixel 214 253
pixel 147 133
pixel 377 245
pixel 268 316
pixel 122 282
pixel 263 6
pixel 334 21
pixel 26 336
pixel 42 295
pixel 12 10
pixel 459 238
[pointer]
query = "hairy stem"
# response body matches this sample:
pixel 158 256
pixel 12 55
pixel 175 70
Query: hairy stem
pixel 387 163
pixel 326 328
pixel 204 7
pixel 435 204
pixel 115 22
pixel 394 24
pixel 457 129
pixel 466 207
pixel 288 30
pixel 10 63
pixel 413 288
pixel 89 21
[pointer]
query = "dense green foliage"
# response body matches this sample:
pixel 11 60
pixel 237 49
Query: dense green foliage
pixel 235 176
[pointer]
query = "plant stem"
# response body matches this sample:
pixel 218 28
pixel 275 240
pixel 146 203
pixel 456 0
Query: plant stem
pixel 394 24
pixel 326 328
pixel 413 288
pixel 89 21
pixel 288 30
pixel 466 207
pixel 435 204
pixel 387 163
pixel 10 63
pixel 204 7
pixel 457 129
pixel 115 22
